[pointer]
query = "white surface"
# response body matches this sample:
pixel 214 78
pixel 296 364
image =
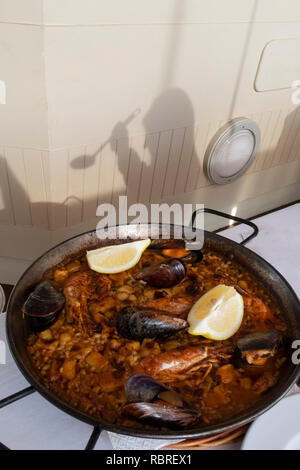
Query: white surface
pixel 277 429
pixel 39 425
pixel 278 241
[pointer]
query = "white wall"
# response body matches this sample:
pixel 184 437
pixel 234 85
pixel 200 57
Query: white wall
pixel 76 69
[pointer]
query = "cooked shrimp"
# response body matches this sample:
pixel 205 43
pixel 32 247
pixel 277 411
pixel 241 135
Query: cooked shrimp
pixel 178 364
pixel 81 287
pixel 179 306
pixel 256 307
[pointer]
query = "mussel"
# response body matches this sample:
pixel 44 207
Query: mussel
pixel 43 305
pixel 153 402
pixel 161 414
pixel 143 388
pixel 193 257
pixel 170 272
pixel 167 243
pixel 256 348
pixel 138 323
pixel 165 274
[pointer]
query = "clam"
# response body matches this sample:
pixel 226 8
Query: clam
pixel 43 305
pixel 256 348
pixel 139 323
pixel 161 414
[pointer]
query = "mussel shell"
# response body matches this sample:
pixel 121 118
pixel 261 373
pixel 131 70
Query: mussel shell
pixel 252 370
pixel 193 257
pixel 165 274
pixel 263 340
pixel 162 415
pixel 167 243
pixel 44 301
pixel 42 323
pixel 143 388
pixel 139 323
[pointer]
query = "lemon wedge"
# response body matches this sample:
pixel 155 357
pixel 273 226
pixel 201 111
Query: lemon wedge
pixel 116 258
pixel 218 314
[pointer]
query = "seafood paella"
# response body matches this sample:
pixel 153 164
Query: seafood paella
pixel 119 346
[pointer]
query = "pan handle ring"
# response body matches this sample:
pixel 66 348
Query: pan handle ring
pixel 227 216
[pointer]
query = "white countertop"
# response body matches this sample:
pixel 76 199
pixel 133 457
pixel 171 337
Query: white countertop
pixel 33 423
pixel 278 241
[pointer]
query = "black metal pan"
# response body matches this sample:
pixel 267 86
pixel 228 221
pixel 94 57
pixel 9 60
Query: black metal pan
pixel 261 269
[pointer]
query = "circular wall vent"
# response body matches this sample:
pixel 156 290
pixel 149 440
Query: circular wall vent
pixel 232 150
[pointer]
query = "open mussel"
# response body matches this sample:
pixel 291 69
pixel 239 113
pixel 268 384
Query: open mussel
pixel 256 348
pixel 167 243
pixel 193 257
pixel 139 323
pixel 175 248
pixel 143 388
pixel 43 305
pixel 153 402
pixel 161 414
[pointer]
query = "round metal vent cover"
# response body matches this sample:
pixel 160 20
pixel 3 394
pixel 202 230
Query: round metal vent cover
pixel 232 150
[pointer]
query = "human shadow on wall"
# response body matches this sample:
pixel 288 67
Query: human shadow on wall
pixel 173 110
pixel 176 104
pixel 170 111
pixel 19 210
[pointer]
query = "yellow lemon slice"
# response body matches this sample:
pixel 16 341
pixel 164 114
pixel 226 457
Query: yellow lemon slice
pixel 116 258
pixel 218 314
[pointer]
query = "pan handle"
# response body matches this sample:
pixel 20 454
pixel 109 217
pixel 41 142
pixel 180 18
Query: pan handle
pixel 231 217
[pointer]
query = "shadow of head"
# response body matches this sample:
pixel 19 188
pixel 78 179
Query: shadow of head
pixel 171 110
